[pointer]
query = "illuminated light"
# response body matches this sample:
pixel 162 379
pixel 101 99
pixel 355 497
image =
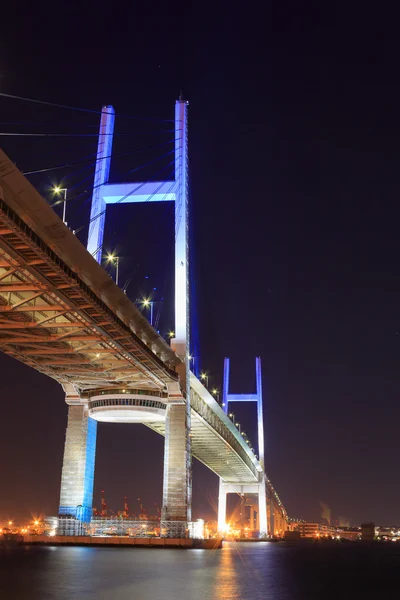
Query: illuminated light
pixel 56 189
pixel 146 302
pixel 10 522
pixel 226 528
pixel 171 334
pixel 203 376
pixel 98 355
pixel 36 522
pixel 52 533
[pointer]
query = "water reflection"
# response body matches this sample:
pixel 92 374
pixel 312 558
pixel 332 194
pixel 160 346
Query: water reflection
pixel 226 584
pixel 248 571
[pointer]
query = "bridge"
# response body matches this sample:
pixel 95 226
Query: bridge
pixel 63 315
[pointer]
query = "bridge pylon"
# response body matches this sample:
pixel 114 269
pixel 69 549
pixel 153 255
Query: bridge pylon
pixel 79 455
pixel 258 488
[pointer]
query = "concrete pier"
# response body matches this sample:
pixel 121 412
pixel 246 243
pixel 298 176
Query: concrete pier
pixel 176 509
pixel 77 477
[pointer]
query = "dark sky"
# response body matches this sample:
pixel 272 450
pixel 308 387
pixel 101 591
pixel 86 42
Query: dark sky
pixel 294 154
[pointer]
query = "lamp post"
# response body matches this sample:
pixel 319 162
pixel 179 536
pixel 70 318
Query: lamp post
pixel 57 190
pixel 215 393
pixel 204 377
pixel 115 261
pixel 149 303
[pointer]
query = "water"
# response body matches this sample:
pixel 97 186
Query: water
pixel 254 571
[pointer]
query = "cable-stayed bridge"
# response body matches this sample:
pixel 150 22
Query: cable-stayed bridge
pixel 62 314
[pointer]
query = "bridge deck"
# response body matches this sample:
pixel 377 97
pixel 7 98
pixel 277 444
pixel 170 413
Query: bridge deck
pixel 62 314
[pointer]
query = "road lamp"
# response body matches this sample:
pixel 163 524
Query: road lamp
pixel 115 261
pixel 204 377
pixel 149 303
pixel 215 393
pixel 57 190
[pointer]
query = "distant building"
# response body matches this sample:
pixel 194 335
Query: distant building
pixel 367 531
pixel 349 533
pixel 315 530
pixel 292 535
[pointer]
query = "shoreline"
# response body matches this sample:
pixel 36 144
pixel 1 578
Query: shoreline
pixel 120 541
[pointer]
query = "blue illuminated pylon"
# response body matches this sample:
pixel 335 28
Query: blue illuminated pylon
pixel 257 397
pixel 228 397
pixel 175 191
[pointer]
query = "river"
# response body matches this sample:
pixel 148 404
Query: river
pixel 254 571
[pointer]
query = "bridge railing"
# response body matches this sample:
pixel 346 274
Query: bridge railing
pixel 204 404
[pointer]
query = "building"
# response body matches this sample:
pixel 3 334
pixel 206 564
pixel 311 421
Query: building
pixel 349 533
pixel 315 530
pixel 367 532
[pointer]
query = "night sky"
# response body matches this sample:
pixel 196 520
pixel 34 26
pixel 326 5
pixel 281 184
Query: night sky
pixel 294 132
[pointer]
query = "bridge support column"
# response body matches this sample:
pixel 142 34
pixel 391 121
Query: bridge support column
pixel 77 477
pixel 262 507
pixel 258 489
pixel 177 489
pixel 222 506
pixel 270 514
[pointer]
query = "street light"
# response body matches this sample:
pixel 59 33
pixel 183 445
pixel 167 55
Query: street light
pixel 149 303
pixel 204 377
pixel 215 393
pixel 115 261
pixel 57 190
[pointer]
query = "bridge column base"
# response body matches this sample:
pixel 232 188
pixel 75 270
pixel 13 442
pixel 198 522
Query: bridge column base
pixel 258 489
pixel 222 494
pixel 262 507
pixel 174 529
pixel 176 509
pixel 76 495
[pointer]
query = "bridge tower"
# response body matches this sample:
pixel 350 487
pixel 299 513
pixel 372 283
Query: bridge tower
pixel 257 488
pixel 79 454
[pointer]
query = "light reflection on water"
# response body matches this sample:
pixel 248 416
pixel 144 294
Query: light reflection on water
pixel 254 571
